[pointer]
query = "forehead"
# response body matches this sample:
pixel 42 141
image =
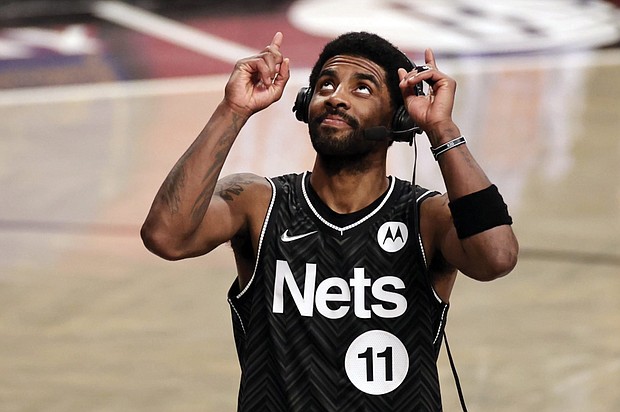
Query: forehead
pixel 356 65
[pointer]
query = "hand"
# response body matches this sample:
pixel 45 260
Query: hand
pixel 258 81
pixel 433 112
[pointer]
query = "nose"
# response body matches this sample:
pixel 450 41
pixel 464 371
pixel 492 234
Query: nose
pixel 338 99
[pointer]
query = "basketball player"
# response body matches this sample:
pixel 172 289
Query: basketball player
pixel 344 273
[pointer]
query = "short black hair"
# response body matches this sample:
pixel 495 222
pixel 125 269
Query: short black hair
pixel 372 47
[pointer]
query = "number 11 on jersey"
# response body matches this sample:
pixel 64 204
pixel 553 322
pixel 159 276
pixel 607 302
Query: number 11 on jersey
pixel 376 362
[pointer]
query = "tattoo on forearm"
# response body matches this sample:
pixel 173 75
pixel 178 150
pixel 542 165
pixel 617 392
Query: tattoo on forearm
pixel 171 187
pixel 199 209
pixel 202 202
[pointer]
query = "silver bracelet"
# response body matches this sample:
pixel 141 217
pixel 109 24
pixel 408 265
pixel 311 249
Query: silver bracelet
pixel 439 150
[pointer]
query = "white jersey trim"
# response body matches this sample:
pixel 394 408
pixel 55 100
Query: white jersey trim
pixel 354 224
pixel 442 321
pixel 421 244
pixel 262 236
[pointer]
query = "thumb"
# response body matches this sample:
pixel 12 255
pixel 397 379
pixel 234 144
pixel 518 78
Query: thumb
pixel 284 73
pixel 401 74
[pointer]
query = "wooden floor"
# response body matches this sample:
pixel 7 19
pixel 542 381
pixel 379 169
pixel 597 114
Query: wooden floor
pixel 90 321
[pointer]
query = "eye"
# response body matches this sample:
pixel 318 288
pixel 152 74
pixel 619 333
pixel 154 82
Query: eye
pixel 364 89
pixel 327 85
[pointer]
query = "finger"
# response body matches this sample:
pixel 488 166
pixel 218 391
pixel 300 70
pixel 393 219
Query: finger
pixel 409 78
pixel 402 73
pixel 281 79
pixel 284 73
pixel 277 40
pixel 263 71
pixel 429 58
pixel 269 63
pixel 273 57
pixel 406 78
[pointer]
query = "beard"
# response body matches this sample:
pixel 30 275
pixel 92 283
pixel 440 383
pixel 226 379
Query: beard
pixel 338 149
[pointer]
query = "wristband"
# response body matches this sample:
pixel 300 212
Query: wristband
pixel 441 149
pixel 479 211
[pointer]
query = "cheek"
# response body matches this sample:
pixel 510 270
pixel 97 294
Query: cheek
pixel 316 107
pixel 376 115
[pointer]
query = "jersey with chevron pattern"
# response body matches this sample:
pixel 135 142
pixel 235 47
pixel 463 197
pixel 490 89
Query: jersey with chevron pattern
pixel 338 318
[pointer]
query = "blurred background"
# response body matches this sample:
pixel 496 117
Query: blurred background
pixel 98 99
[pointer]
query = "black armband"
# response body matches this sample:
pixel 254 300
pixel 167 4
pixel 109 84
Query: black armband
pixel 479 211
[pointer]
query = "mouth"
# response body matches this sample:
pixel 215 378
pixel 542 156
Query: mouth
pixel 336 120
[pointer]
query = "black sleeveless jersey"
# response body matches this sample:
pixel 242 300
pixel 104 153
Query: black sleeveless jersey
pixel 339 314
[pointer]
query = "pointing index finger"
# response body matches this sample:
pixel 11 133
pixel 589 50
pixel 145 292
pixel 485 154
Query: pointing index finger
pixel 277 40
pixel 429 58
pixel 272 60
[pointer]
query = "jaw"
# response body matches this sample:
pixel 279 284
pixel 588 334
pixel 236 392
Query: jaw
pixel 364 159
pixel 342 148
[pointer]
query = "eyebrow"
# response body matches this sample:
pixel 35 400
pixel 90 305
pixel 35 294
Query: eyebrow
pixel 371 78
pixel 328 73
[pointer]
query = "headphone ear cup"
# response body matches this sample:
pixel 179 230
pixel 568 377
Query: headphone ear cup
pixel 401 120
pixel 403 125
pixel 301 104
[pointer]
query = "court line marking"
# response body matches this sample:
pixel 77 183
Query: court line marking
pixel 124 89
pixel 213 46
pixel 209 83
pixel 68 228
pixel 111 90
pixel 169 30
pixel 131 230
pixel 569 256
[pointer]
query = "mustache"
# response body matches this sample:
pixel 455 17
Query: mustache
pixel 350 120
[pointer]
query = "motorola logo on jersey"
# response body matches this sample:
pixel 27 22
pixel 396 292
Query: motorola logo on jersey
pixel 392 236
pixel 334 296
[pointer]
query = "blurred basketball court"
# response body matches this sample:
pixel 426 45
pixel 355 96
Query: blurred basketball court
pixel 96 108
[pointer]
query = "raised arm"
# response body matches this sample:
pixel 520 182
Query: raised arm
pixel 190 215
pixel 470 225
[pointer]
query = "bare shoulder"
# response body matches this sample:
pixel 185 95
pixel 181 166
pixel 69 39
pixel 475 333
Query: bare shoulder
pixel 435 219
pixel 243 186
pixel 246 196
pixel 436 209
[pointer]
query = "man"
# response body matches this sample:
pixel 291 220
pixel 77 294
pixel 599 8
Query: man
pixel 340 301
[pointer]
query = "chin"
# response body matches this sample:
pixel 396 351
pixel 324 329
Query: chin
pixel 332 142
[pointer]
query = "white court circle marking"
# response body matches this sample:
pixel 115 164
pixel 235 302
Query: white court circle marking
pixel 466 27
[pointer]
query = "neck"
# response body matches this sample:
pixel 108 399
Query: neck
pixel 348 190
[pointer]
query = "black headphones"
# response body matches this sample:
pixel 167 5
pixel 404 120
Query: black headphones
pixel 403 126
